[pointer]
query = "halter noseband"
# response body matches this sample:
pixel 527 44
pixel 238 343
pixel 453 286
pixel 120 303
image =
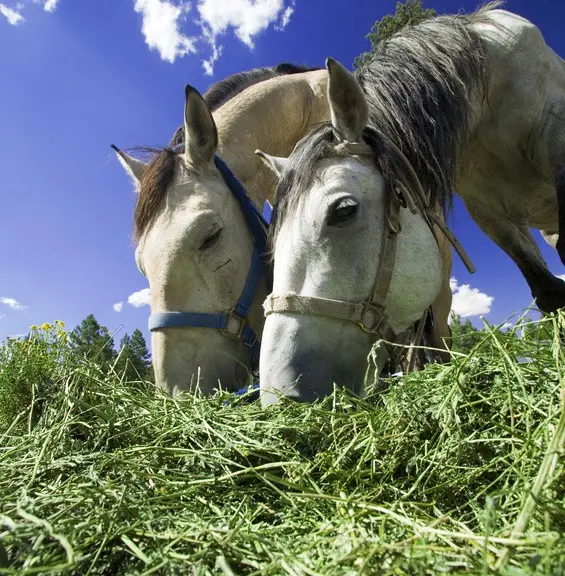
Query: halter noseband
pixel 371 314
pixel 233 323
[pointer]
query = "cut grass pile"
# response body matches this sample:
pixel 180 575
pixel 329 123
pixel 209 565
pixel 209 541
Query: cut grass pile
pixel 458 468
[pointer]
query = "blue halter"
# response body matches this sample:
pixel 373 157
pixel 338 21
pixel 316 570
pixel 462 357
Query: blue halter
pixel 233 323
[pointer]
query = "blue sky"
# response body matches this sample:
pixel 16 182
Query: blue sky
pixel 78 76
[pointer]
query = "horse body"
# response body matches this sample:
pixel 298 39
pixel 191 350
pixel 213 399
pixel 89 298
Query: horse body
pixel 508 172
pixel 272 115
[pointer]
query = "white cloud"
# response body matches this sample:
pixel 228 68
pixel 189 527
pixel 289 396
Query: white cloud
pixel 469 301
pixel 13 16
pixel 118 306
pixel 288 12
pixel 50 5
pixel 12 303
pixel 140 298
pixel 164 21
pixel 562 276
pixel 247 17
pixel 161 27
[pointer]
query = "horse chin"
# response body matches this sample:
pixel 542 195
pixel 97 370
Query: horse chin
pixel 177 370
pixel 303 357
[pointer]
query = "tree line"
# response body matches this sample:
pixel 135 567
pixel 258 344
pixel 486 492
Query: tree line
pixel 93 341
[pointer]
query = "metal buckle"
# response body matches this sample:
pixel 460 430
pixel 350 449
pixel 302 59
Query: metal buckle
pixel 242 323
pixel 378 312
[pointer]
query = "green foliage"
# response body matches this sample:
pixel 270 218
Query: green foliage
pixel 448 470
pixel 133 360
pixel 29 368
pixel 408 14
pixel 92 341
pixel 464 335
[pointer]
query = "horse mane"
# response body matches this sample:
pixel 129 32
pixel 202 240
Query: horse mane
pixel 163 161
pixel 419 87
pixel 224 90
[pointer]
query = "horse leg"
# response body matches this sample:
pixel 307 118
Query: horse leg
pixel 560 190
pixel 515 239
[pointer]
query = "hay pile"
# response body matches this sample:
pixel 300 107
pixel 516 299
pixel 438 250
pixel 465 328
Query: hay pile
pixel 458 468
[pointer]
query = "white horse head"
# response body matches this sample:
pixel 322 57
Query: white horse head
pixel 328 232
pixel 195 248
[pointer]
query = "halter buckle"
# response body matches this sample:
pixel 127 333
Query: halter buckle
pixel 240 323
pixel 372 316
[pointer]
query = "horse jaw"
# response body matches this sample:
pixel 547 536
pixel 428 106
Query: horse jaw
pixel 303 355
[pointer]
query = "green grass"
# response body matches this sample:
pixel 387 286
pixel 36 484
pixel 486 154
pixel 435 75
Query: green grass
pixel 458 468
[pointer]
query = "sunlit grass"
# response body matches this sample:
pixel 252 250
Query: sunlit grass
pixel 458 468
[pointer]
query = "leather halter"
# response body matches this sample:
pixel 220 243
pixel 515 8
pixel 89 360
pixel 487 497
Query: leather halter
pixel 233 323
pixel 371 314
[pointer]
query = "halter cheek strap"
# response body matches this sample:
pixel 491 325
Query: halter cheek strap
pixel 232 323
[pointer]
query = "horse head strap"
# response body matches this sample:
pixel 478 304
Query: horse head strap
pixel 232 323
pixel 370 314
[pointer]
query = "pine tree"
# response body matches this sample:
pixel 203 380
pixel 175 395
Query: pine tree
pixel 464 335
pixel 93 341
pixel 408 14
pixel 134 359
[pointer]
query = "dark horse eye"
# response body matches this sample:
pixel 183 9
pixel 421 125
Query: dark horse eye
pixel 211 239
pixel 342 211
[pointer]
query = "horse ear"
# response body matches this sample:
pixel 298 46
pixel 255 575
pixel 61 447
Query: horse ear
pixel 275 163
pixel 348 106
pixel 200 133
pixel 135 168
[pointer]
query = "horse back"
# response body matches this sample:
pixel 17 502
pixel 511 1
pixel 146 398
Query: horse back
pixel 524 105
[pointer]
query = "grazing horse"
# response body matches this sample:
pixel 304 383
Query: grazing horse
pixel 474 103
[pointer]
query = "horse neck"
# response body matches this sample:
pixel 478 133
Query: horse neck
pixel 271 116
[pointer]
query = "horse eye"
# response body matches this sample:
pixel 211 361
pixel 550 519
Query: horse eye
pixel 342 211
pixel 211 239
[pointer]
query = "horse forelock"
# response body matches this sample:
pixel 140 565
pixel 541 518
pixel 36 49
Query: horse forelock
pixel 153 187
pixel 420 86
pixel 300 170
